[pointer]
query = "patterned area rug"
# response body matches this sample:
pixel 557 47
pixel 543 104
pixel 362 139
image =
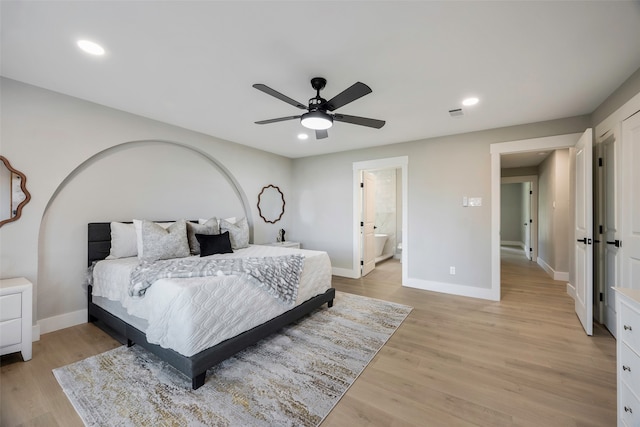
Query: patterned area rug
pixel 293 378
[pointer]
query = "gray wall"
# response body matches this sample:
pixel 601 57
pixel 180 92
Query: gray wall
pixel 553 211
pixel 78 171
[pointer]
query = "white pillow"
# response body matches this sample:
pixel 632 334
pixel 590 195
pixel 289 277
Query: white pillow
pixel 137 224
pixel 123 241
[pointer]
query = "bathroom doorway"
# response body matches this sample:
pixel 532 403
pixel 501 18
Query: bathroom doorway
pixel 389 213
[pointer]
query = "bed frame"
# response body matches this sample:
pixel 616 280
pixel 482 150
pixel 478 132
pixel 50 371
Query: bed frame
pixel 194 367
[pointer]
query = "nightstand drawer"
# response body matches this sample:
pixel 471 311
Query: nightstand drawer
pixel 629 327
pixel 10 332
pixel 10 307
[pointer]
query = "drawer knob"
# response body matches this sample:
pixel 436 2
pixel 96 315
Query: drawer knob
pixel 627 327
pixel 627 409
pixel 626 368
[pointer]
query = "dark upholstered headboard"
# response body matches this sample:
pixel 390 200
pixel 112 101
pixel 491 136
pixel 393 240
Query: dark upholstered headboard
pixel 99 238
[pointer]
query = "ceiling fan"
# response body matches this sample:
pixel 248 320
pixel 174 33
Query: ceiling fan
pixel 317 116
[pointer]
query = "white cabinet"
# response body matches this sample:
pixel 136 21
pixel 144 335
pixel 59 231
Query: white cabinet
pixel 15 316
pixel 285 244
pixel 628 356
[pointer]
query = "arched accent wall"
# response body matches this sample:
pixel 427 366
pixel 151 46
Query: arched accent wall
pixel 147 179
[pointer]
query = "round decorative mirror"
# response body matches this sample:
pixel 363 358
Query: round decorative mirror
pixel 271 204
pixel 13 192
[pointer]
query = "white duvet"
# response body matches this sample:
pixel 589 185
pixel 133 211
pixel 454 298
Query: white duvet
pixel 191 315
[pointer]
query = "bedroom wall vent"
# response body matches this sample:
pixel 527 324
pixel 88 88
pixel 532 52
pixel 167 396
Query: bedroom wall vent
pixel 456 112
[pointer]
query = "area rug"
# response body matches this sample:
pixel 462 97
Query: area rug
pixel 293 378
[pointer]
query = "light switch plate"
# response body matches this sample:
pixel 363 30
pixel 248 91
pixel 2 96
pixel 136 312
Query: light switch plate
pixel 475 201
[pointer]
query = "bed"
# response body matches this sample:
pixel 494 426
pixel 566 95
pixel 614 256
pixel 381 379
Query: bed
pixel 232 321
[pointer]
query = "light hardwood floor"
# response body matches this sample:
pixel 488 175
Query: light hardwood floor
pixel 455 361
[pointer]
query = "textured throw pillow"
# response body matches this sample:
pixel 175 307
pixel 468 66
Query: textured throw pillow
pixel 238 232
pixel 211 244
pixel 137 224
pixel 123 240
pixel 209 227
pixel 160 243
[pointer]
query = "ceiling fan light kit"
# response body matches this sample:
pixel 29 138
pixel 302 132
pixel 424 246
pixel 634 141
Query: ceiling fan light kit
pixel 316 120
pixel 317 116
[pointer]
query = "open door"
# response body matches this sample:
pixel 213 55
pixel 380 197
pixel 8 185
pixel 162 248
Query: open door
pixel 583 230
pixel 630 244
pixel 368 223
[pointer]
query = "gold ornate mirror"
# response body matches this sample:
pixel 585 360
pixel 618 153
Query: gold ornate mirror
pixel 13 192
pixel 271 204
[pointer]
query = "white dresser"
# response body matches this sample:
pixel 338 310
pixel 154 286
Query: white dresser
pixel 628 356
pixel 285 244
pixel 15 316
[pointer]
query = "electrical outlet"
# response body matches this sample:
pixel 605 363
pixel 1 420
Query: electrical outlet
pixel 452 270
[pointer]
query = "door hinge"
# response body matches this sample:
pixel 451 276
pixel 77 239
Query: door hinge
pixel 600 229
pixel 530 221
pixel 530 191
pixel 362 185
pixel 362 263
pixel 600 161
pixel 361 223
pixel 530 249
pixel 601 296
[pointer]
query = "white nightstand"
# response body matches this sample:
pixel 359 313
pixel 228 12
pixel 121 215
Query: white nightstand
pixel 15 316
pixel 284 244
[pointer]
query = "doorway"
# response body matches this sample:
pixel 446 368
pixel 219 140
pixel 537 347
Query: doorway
pixel 398 168
pixel 528 221
pixel 497 150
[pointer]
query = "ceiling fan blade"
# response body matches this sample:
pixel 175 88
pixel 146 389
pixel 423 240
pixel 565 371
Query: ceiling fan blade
pixel 357 90
pixel 280 119
pixel 321 134
pixel 281 97
pixel 362 121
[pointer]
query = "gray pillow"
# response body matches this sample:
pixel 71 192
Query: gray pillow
pixel 238 232
pixel 210 227
pixel 161 243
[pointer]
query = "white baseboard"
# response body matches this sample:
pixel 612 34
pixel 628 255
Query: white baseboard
pixel 453 289
pixel 555 275
pixel 35 333
pixel 62 321
pixel 571 290
pixel 512 243
pixel 345 272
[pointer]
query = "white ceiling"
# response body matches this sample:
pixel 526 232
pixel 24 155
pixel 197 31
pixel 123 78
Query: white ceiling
pixel 192 64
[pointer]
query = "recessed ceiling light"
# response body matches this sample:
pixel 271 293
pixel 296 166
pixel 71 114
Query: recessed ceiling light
pixel 470 101
pixel 91 47
pixel 303 136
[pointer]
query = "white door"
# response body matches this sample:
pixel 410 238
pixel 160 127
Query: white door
pixel 630 247
pixel 368 223
pixel 610 240
pixel 528 220
pixel 583 239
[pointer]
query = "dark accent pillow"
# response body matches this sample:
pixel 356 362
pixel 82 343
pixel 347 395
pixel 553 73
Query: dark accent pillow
pixel 211 244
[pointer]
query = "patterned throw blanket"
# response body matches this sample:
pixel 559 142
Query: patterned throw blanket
pixel 279 276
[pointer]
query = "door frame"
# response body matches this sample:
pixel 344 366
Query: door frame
pixel 401 163
pixel 497 150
